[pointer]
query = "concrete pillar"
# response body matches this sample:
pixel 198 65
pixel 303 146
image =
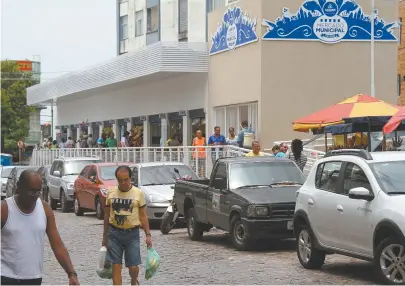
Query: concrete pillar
pixel 90 129
pixel 146 126
pixel 116 129
pixel 164 122
pixel 129 126
pixel 78 133
pixel 186 129
pixel 69 132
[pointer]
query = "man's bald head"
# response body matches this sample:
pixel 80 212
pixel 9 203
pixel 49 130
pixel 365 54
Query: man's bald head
pixel 29 178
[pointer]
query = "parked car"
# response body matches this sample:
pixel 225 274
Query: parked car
pixel 157 180
pixel 5 174
pixel 352 203
pixel 251 197
pixel 13 177
pixel 62 175
pixel 44 171
pixel 90 188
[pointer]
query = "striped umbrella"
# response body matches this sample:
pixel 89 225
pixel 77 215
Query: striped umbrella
pixel 360 105
pixel 395 120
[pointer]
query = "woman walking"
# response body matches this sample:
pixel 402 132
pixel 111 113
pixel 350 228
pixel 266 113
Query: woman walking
pixel 297 156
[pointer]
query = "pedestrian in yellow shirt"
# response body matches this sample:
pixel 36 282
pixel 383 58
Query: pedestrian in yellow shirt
pixel 255 150
pixel 125 213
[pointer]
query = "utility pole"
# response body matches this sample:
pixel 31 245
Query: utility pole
pixel 372 52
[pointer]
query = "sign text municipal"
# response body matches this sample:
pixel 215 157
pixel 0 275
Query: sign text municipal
pixel 328 21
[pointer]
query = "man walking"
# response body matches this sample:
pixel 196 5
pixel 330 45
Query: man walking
pixel 125 213
pixel 25 219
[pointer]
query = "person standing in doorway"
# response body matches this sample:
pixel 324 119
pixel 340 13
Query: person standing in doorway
pixel 90 142
pixel 216 140
pixel 255 150
pixel 199 154
pixel 125 213
pixel 124 139
pixel 70 143
pixel 25 219
pixel 232 138
pixel 246 136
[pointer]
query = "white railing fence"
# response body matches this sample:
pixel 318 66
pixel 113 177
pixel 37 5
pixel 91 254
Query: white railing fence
pixel 200 159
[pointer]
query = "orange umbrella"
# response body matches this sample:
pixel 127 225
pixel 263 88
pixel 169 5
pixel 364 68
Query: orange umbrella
pixel 360 105
pixel 395 120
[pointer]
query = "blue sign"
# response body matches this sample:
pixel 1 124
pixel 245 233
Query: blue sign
pixel 236 30
pixel 328 21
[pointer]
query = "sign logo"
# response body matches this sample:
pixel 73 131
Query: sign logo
pixel 24 66
pixel 236 30
pixel 328 21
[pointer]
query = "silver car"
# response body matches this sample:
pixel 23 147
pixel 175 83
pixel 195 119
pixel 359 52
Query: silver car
pixel 5 175
pixel 62 175
pixel 156 180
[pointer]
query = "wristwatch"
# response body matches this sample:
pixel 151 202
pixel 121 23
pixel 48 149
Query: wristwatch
pixel 148 234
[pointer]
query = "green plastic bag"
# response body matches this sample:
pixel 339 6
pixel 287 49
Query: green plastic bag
pixel 152 263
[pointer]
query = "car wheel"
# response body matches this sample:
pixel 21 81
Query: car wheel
pixel 76 206
pixel 64 203
pixel 53 203
pixel 239 234
pixel 99 209
pixel 308 255
pixel 390 261
pixel 194 228
pixel 167 223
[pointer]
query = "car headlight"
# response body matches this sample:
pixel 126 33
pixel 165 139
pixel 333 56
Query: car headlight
pixel 104 192
pixel 157 199
pixel 256 211
pixel 70 186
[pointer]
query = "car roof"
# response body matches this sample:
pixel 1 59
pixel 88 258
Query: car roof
pixel 77 158
pixel 381 156
pixel 245 159
pixel 104 164
pixel 153 164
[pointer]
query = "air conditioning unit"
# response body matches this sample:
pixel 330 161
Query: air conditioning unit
pixel 99 123
pixel 182 113
pixel 162 116
pixel 143 118
pixel 127 120
pixel 111 121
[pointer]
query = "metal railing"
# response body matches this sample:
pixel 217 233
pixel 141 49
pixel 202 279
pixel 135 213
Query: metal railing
pixel 200 159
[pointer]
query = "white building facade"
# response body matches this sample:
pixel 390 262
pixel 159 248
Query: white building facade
pixel 158 81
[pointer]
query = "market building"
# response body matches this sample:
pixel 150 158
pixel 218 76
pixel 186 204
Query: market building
pixel 272 62
pixel 267 62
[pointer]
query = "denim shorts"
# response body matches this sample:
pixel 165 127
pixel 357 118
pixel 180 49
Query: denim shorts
pixel 123 242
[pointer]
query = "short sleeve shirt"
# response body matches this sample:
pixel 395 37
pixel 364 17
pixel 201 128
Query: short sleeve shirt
pixel 251 154
pixel 111 142
pixel 124 207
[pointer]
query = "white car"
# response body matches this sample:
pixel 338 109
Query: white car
pixel 353 203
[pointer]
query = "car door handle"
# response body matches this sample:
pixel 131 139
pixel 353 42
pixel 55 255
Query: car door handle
pixel 339 208
pixel 311 201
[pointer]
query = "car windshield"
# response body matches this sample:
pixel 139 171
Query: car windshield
pixel 75 167
pixel 20 170
pixel 107 173
pixel 390 176
pixel 264 174
pixel 6 172
pixel 163 175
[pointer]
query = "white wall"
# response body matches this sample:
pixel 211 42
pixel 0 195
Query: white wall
pixel 183 92
pixel 169 23
pixel 136 42
pixel 197 20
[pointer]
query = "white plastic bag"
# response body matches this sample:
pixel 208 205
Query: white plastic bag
pixel 104 268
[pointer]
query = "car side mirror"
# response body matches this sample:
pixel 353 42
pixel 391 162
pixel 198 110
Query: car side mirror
pixel 56 173
pixel 361 193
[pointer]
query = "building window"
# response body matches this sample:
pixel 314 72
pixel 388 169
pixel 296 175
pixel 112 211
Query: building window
pixel 399 78
pixel 400 31
pixel 139 23
pixel 183 20
pixel 213 5
pixel 124 27
pixel 153 19
pixel 232 2
pixel 233 115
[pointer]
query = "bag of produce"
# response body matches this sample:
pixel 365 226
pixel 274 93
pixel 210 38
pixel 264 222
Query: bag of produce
pixel 104 268
pixel 152 263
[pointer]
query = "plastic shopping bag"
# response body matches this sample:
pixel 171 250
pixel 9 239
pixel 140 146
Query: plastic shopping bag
pixel 152 263
pixel 104 268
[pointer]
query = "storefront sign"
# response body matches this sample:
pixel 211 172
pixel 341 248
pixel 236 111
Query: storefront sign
pixel 25 66
pixel 236 30
pixel 328 21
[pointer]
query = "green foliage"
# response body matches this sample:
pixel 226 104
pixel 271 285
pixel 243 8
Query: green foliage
pixel 14 110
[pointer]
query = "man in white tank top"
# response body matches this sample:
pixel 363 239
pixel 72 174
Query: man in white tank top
pixel 25 219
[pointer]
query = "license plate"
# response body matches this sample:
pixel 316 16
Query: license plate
pixel 289 225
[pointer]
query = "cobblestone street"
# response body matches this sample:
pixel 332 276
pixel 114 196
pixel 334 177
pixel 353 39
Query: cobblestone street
pixel 211 261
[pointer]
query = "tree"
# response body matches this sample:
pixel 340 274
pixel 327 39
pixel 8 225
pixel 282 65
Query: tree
pixel 14 109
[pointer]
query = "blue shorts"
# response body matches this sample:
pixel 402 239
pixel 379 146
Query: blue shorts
pixel 123 242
